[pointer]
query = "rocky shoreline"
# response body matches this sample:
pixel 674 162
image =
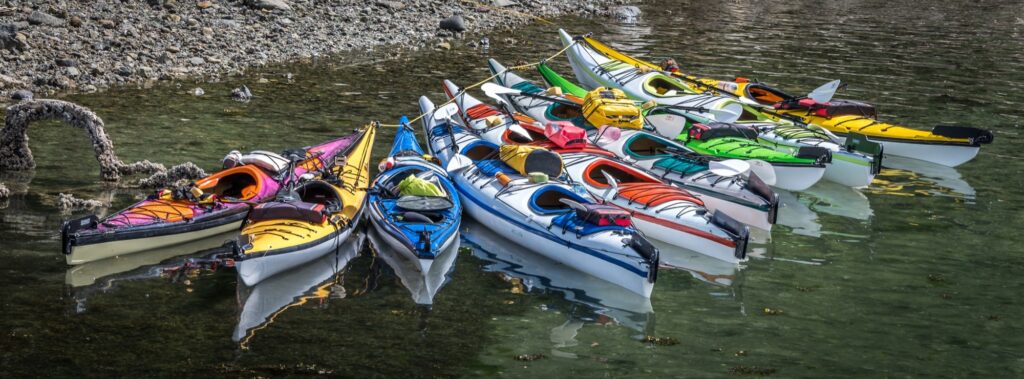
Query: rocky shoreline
pixel 60 46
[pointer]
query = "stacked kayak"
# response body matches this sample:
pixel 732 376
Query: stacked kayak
pixel 854 164
pixel 540 213
pixel 596 70
pixel 945 144
pixel 413 203
pixel 746 199
pixel 659 210
pixel 314 214
pixel 210 206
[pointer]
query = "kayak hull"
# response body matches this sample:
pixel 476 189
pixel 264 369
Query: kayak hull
pixel 84 253
pixel 257 267
pixel 949 155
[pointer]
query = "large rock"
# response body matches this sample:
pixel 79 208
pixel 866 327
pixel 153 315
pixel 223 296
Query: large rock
pixel 626 13
pixel 270 4
pixel 41 18
pixel 9 38
pixel 454 23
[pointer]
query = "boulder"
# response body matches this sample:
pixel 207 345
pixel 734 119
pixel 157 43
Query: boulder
pixel 42 18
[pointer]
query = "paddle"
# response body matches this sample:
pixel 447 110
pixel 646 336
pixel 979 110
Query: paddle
pixel 613 185
pixel 444 114
pixel 825 92
pixel 494 90
pixel 514 126
pixel 457 163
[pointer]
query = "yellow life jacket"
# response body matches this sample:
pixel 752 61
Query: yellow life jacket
pixel 604 106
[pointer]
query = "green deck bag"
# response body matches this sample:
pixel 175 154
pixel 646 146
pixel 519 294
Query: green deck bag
pixel 414 186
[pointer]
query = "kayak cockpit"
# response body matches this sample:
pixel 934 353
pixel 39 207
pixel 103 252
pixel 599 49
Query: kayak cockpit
pixel 664 86
pixel 597 172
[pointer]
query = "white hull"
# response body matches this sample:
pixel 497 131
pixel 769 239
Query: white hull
pixel 945 155
pixel 687 241
pixel 753 217
pixel 557 251
pixel 254 269
pixel 848 172
pixel 94 252
pixel 797 178
pixel 88 273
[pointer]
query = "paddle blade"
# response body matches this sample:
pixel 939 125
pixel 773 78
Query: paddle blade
pixel 613 185
pixel 458 162
pixel 492 90
pixel 729 167
pixel 730 113
pixel 763 170
pixel 667 124
pixel 519 131
pixel 824 93
pixel 446 112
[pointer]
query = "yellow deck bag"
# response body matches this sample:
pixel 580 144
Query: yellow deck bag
pixel 531 159
pixel 604 106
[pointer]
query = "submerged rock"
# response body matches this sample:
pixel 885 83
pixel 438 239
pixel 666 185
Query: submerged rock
pixel 626 13
pixel 241 93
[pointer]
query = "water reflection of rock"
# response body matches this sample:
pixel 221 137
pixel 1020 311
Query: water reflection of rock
pixel 423 286
pixel 262 303
pixel 529 272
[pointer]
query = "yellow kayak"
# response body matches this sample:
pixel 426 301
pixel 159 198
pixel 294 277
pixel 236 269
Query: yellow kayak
pixel 945 145
pixel 315 219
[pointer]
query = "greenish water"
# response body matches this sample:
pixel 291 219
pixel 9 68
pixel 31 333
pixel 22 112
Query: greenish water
pixel 918 276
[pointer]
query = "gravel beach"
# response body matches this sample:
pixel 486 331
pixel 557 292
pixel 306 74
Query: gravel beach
pixel 55 46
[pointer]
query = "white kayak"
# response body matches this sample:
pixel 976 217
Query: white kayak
pixel 536 214
pixel 594 70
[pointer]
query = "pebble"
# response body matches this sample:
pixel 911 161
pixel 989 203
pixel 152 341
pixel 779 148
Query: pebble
pixel 112 43
pixel 198 92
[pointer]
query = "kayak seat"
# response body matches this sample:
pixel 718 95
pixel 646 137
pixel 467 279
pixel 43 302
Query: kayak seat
pixel 654 194
pixel 548 200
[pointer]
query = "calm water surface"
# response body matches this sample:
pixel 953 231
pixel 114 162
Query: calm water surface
pixel 917 276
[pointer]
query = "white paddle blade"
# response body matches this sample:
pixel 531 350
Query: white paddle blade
pixel 667 124
pixel 729 167
pixel 763 170
pixel 727 114
pixel 492 89
pixel 613 186
pixel 446 112
pixel 749 101
pixel 824 93
pixel 458 162
pixel 519 131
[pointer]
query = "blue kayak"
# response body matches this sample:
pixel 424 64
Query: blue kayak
pixel 412 202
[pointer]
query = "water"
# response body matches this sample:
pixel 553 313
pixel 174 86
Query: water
pixel 918 276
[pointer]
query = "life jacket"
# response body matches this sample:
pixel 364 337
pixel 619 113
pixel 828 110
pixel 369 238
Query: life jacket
pixel 707 132
pixel 604 106
pixel 836 107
